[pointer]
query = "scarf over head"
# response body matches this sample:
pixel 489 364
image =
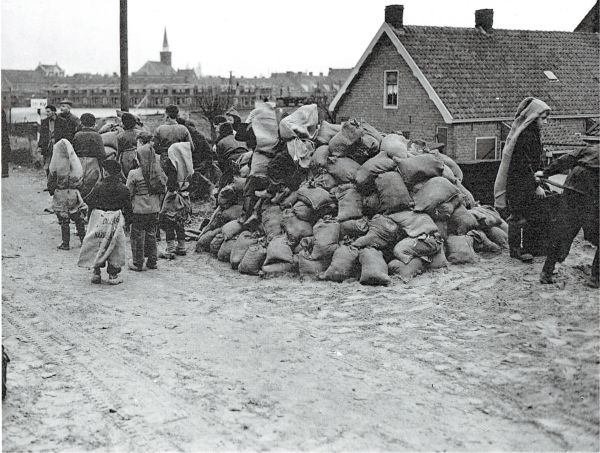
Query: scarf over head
pixel 151 171
pixel 529 110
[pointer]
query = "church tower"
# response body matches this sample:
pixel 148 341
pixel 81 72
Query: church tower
pixel 165 54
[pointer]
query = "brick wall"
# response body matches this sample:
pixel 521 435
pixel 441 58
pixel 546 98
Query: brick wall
pixel 465 135
pixel 416 113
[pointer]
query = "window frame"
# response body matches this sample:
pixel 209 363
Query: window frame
pixel 385 86
pixel 437 132
pixel 495 147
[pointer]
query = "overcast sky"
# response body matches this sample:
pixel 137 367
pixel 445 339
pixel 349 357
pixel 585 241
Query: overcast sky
pixel 248 37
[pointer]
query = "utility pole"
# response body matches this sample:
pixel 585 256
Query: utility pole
pixel 124 57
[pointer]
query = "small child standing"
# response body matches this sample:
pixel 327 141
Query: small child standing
pixel 105 241
pixel 65 177
pixel 146 186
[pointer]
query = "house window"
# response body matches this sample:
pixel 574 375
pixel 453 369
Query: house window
pixel 391 89
pixel 441 135
pixel 485 148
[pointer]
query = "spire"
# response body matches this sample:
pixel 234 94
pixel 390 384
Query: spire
pixel 165 42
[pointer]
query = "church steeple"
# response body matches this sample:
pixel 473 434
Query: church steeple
pixel 165 55
pixel 165 42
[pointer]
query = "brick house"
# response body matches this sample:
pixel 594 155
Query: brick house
pixel 461 86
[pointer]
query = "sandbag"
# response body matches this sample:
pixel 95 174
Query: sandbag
pixel 303 211
pixel 348 136
pixel 301 123
pixel 394 145
pixel 232 213
pixel 276 269
pixel 498 236
pixel 486 216
pixel 442 226
pixel 349 202
pixel 343 169
pixel 414 224
pixel 295 228
pixel 423 246
pixel 325 180
pixel 371 204
pixel 434 192
pixel 376 165
pixel 240 247
pixel 315 197
pixel 326 132
pixel 264 124
pixel 393 194
pixel 448 161
pixel 406 271
pixel 216 243
pixel 438 260
pixel 290 200
pixel 344 264
pixel 459 250
pixel 466 195
pixel 374 270
pixel 445 210
pixel 461 221
pixel 271 220
pixel 253 260
pixel 308 267
pixel 319 157
pixel 354 228
pixel 203 243
pixel 231 229
pixel 449 175
pixel 419 168
pixel 382 233
pixel 278 251
pixel 306 244
pixel 224 253
pixel 481 243
pixel 238 184
pixel 110 139
pixel 327 234
pixel 370 140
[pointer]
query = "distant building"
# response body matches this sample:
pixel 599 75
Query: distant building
pixel 50 70
pixel 461 86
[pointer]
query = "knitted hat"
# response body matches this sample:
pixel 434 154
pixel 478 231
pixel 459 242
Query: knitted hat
pixel 88 120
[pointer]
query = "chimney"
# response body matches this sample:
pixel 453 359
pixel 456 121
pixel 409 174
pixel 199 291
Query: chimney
pixel 394 15
pixel 484 19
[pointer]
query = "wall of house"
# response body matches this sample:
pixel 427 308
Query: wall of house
pixel 465 135
pixel 416 113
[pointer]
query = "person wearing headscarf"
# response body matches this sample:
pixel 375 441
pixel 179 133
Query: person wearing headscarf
pixel 109 196
pixel 516 190
pixel 228 150
pixel 89 148
pixel 579 208
pixel 127 143
pixel 146 185
pixel 65 177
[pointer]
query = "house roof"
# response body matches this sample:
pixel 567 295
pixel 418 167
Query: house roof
pixel 474 76
pixel 555 137
pixel 155 68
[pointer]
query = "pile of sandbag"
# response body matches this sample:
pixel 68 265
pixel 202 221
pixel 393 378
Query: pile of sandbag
pixel 373 206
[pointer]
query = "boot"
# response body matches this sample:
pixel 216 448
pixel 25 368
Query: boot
pixel 180 250
pixel 546 278
pixel 514 243
pixel 96 277
pixel 65 230
pixel 520 255
pixel 169 253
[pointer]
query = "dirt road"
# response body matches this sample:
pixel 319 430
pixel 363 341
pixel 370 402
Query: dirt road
pixel 197 357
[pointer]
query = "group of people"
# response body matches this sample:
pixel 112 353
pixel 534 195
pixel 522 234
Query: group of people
pixel 519 192
pixel 144 187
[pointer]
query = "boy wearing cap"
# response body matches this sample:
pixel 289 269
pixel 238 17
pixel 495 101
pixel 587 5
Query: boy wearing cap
pixel 127 143
pixel 89 148
pixel 110 195
pixel 72 120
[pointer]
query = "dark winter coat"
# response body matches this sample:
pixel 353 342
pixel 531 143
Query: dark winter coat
pixel 88 143
pixel 61 130
pixel 111 195
pixel 526 160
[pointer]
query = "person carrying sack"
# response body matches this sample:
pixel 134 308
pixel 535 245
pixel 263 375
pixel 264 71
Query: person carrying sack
pixel 176 206
pixel 146 185
pixel 65 177
pixel 105 244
